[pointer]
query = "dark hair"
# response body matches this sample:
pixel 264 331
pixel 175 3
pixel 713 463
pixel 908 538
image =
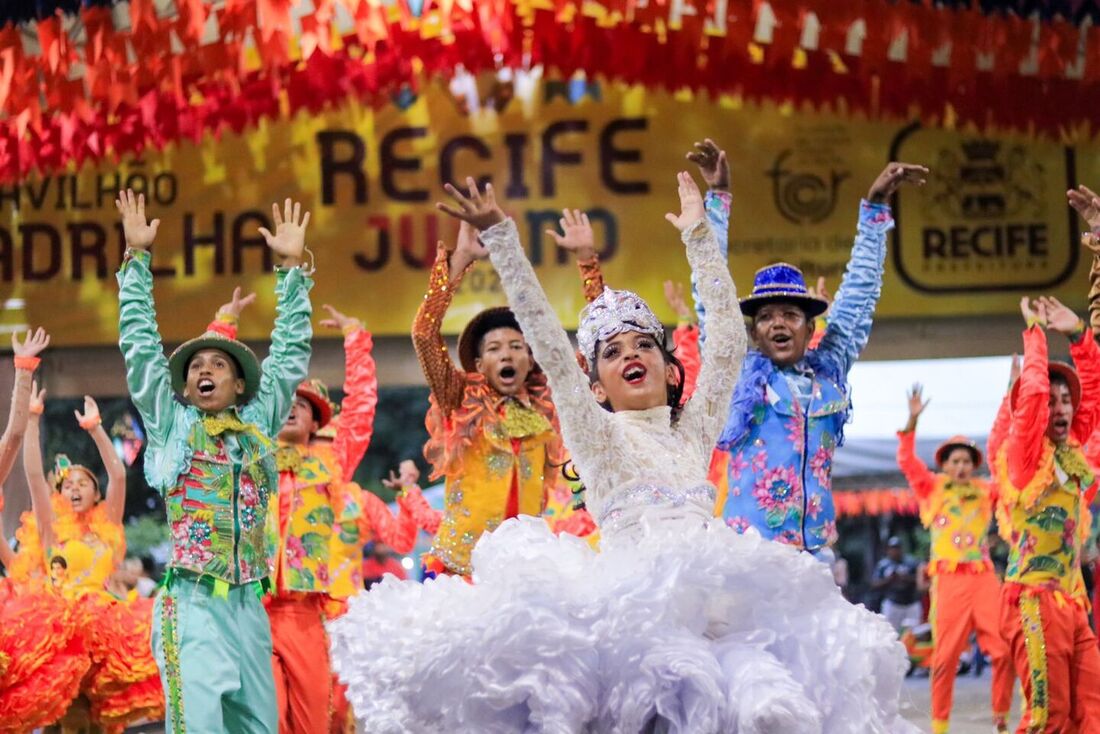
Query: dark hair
pixel 1058 378
pixel 59 561
pixel 960 447
pixel 502 320
pixel 675 392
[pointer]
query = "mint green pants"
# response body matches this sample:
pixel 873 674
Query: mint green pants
pixel 214 656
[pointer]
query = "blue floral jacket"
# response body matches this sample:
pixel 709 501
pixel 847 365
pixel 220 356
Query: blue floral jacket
pixel 781 456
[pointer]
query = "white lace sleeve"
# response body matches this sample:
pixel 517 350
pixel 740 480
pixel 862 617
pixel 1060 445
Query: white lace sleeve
pixel 724 351
pixel 584 423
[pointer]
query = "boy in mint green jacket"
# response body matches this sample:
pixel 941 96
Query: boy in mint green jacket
pixel 211 415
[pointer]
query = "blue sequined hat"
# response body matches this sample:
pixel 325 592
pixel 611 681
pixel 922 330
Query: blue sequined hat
pixel 782 282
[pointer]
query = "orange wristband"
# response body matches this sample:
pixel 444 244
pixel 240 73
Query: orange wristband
pixel 89 424
pixel 27 363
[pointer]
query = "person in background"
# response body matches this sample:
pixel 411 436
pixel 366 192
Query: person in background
pixel 896 577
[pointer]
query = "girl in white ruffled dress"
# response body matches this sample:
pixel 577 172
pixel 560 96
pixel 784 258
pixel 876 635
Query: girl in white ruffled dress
pixel 677 624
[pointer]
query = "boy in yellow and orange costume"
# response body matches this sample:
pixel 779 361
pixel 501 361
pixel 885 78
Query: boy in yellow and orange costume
pixel 957 508
pixel 1045 486
pixel 493 431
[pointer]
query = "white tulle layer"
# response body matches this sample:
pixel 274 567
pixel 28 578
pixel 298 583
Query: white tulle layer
pixel 688 630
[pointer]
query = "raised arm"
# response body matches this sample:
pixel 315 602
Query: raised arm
pixel 577 237
pixel 26 362
pixel 33 470
pixel 715 169
pixel 583 420
pixel 399 533
pixel 1031 411
pixel 360 392
pixel 147 373
pixel 1086 359
pixel 853 310
pixel 445 381
pixel 90 421
pixel 287 362
pixel 1087 204
pixel 920 479
pixel 725 348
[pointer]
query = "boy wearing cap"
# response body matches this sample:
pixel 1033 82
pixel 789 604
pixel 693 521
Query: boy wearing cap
pixel 211 416
pixel 790 404
pixel 493 431
pixel 957 509
pixel 1045 486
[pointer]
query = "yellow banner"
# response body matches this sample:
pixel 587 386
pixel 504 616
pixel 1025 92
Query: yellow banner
pixel 991 223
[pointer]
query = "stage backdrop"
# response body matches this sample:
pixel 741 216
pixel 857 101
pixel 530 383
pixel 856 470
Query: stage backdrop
pixel 991 224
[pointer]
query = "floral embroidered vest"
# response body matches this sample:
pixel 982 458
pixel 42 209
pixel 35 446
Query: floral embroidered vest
pixel 780 472
pixel 518 445
pixel 217 509
pixel 1050 521
pixel 958 519
pixel 300 520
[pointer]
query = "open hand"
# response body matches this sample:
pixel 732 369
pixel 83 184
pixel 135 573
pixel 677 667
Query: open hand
pixel 37 403
pixel 578 237
pixel 338 320
pixel 917 403
pixel 713 166
pixel 289 239
pixel 90 418
pixel 408 476
pixel 477 208
pixel 893 176
pixel 691 202
pixel 36 341
pixel 237 304
pixel 139 233
pixel 1087 204
pixel 1059 317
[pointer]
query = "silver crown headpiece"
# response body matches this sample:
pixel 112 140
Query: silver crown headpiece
pixel 614 312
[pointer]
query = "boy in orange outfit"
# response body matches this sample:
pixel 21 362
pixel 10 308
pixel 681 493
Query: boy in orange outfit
pixel 957 509
pixel 1045 487
pixel 493 431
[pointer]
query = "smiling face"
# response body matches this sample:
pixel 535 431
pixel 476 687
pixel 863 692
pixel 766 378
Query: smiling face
pixel 504 360
pixel 782 332
pixel 1061 410
pixel 300 424
pixel 632 372
pixel 213 381
pixel 79 488
pixel 959 465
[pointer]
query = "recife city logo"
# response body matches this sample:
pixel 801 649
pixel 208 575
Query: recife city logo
pixel 991 217
pixel 804 196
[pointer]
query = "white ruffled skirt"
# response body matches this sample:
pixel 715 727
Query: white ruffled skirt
pixel 687 631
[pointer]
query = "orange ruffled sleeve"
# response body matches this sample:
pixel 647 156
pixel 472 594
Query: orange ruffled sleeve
pixel 921 480
pixel 398 532
pixel 360 402
pixel 1028 424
